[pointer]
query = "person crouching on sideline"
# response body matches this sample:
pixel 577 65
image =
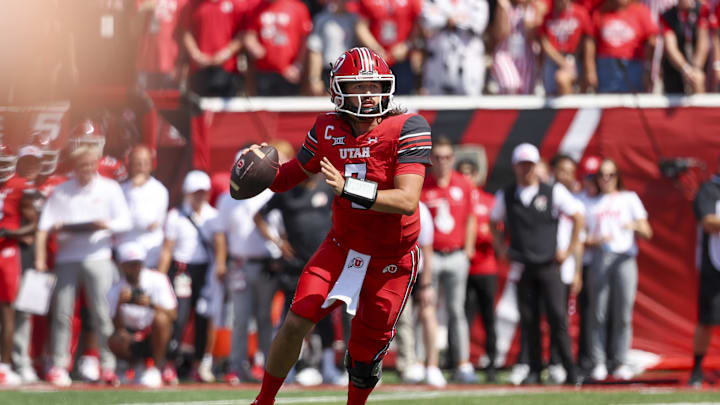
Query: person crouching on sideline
pixel 143 307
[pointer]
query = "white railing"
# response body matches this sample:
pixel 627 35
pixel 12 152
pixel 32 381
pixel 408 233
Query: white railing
pixel 414 103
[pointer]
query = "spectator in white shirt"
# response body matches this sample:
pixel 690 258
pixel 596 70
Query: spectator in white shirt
pixel 143 305
pixel 614 217
pixel 148 202
pixel 250 280
pixel 186 257
pixel 563 172
pixel 455 49
pixel 413 371
pixel 84 212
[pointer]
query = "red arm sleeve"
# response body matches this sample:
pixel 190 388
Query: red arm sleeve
pixel 288 176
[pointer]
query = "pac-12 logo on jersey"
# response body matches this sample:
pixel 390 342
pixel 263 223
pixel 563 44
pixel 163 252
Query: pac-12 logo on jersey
pixel 354 153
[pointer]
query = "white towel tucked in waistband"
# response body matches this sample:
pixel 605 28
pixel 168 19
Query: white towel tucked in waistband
pixel 348 285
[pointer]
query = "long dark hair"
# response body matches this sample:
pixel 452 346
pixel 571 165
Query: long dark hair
pixel 618 176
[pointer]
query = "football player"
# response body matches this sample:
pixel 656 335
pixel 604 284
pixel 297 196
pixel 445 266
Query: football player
pixel 374 157
pixel 27 162
pixel 92 133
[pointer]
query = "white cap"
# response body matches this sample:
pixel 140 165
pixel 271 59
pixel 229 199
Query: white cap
pixel 30 150
pixel 525 152
pixel 131 252
pixel 196 180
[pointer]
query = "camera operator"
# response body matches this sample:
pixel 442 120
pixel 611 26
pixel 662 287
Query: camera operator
pixel 143 306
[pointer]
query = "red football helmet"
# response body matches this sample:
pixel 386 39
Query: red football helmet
pixel 361 65
pixel 87 133
pixel 50 155
pixel 8 161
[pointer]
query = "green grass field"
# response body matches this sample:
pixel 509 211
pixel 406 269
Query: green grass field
pixel 386 395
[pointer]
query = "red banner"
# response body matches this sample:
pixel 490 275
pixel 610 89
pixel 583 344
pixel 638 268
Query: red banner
pixel 665 309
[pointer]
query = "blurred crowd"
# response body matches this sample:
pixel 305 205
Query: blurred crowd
pixel 141 288
pixel 285 47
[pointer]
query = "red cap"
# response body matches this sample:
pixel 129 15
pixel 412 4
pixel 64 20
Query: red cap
pixel 590 165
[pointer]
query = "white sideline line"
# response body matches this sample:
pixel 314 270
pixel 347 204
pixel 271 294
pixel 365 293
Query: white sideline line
pixel 398 396
pixel 676 403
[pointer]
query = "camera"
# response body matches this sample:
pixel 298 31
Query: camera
pixel 673 167
pixel 137 292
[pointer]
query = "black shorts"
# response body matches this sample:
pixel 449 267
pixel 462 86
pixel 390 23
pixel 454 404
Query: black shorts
pixel 140 345
pixel 709 297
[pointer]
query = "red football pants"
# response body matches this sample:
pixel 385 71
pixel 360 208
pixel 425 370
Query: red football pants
pixel 385 290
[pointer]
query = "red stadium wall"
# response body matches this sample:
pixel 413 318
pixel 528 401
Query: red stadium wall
pixel 665 309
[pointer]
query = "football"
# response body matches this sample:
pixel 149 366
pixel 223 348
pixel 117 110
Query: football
pixel 253 172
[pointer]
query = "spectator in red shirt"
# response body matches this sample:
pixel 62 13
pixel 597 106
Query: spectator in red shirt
pixel 715 25
pixel 565 36
pixel 448 195
pixel 685 29
pixel 211 36
pixel 625 34
pixel 155 23
pixel 276 43
pixel 482 277
pixel 389 27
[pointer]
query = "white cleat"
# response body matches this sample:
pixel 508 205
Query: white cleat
pixel 623 373
pixel 557 373
pixel 519 373
pixel 151 377
pixel 414 374
pixel 89 368
pixel 28 375
pixel 434 377
pixel 599 373
pixel 58 377
pixel 8 378
pixel 309 377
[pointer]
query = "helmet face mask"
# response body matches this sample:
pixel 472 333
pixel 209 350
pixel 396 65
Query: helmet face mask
pixel 361 65
pixel 89 134
pixel 8 163
pixel 50 155
pixel 49 161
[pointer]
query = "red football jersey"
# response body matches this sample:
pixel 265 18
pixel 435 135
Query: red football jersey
pixel 281 27
pixel 566 29
pixel 622 33
pixel 48 185
pixel 10 194
pixel 158 46
pixel 377 155
pixel 112 168
pixel 484 261
pixel 449 206
pixel 390 21
pixel 214 24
